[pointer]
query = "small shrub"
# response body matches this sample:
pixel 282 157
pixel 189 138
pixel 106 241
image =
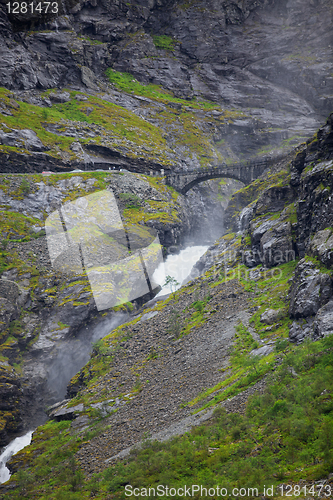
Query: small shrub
pixel 199 305
pixel 175 323
pixel 153 354
pixel 138 385
pixel 4 244
pixel 164 42
pixel 173 283
pixel 281 345
pixel 132 200
pixel 100 349
pixel 25 186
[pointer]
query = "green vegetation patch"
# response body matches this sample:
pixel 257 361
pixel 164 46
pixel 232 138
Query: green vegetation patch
pixel 16 226
pixel 107 121
pixel 164 42
pixel 271 293
pixel 175 127
pixel 199 317
pixel 10 259
pixel 128 83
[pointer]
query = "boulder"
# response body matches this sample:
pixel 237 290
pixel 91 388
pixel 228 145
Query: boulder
pixel 321 246
pixel 9 290
pixel 300 330
pixel 262 351
pixel 323 324
pixel 276 245
pixel 26 139
pixel 271 316
pixel 61 411
pixel 272 242
pixel 88 78
pixel 310 290
pixel 60 97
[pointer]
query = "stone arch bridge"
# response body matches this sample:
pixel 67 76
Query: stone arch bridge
pixel 183 181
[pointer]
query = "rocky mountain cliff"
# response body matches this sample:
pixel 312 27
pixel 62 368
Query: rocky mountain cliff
pixel 266 66
pixel 150 86
pixel 290 221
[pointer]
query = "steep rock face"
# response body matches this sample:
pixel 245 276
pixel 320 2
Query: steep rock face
pixel 311 289
pixel 272 60
pixel 300 194
pixel 271 242
pixel 313 178
pixel 10 392
pixel 323 324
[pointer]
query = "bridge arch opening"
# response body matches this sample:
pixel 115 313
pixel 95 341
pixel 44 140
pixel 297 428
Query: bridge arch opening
pixel 193 183
pixel 244 172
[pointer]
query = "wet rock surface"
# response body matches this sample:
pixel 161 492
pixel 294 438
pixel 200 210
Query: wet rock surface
pixel 300 330
pixel 26 139
pixel 270 316
pixel 10 392
pixel 321 246
pixel 323 324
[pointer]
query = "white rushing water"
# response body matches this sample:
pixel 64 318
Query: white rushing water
pixel 16 445
pixel 178 266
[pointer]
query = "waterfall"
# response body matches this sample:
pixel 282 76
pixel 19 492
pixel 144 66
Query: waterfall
pixel 15 446
pixel 178 266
